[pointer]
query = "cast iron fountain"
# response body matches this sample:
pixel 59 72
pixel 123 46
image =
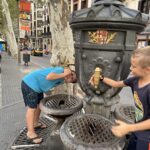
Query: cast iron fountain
pixel 105 36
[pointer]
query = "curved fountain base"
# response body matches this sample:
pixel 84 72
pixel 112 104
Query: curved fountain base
pixel 54 143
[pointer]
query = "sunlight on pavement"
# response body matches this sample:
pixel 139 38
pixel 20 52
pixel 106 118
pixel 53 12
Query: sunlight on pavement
pixel 27 70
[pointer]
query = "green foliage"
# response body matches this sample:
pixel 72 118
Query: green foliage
pixel 1 16
pixel 14 11
pixel 13 8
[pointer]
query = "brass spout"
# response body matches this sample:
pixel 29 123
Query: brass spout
pixel 97 75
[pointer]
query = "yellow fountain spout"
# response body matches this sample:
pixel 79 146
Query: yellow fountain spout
pixel 97 75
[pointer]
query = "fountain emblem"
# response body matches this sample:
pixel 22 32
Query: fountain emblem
pixel 102 37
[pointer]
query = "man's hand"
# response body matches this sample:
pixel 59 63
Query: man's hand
pixel 121 129
pixel 67 71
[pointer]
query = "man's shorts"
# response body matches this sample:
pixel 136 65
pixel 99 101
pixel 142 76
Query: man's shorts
pixel 31 98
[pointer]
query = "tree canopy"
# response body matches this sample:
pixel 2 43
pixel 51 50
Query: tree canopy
pixel 1 16
pixel 13 8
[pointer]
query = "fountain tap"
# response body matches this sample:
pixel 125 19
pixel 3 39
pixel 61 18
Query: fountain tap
pixel 97 75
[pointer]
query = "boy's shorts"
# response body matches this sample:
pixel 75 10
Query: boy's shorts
pixel 138 144
pixel 31 98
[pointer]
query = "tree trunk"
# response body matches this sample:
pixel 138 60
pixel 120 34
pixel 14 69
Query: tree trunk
pixel 62 39
pixel 9 30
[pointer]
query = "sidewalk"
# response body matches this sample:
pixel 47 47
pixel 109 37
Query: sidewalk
pixel 12 109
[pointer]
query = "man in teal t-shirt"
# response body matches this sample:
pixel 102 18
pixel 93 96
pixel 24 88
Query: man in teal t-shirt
pixel 33 86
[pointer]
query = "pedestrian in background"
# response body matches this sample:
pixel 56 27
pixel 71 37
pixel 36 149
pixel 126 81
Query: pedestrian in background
pixel 33 86
pixel 26 57
pixel 140 85
pixel 1 49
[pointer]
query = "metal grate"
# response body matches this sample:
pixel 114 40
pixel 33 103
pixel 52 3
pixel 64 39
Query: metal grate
pixel 20 142
pixel 61 104
pixel 89 130
pixel 126 113
pixel 62 101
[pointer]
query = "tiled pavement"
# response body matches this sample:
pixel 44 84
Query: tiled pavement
pixel 12 110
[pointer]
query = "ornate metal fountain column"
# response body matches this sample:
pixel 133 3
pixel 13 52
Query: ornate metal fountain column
pixel 105 36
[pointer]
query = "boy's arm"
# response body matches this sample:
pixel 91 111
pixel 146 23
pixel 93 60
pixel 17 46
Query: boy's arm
pixel 123 128
pixel 113 83
pixel 108 81
pixel 54 76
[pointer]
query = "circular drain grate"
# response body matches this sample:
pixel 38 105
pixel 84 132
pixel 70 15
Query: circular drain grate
pixel 125 113
pixel 88 131
pixel 61 104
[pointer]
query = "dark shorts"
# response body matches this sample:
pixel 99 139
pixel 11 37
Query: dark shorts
pixel 31 98
pixel 138 144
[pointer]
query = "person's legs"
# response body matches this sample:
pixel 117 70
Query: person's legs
pixel 30 125
pixel 37 115
pixel 38 124
pixel 30 121
pixel 31 101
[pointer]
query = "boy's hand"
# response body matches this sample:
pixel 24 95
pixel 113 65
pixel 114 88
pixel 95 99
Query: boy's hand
pixel 91 81
pixel 121 129
pixel 67 71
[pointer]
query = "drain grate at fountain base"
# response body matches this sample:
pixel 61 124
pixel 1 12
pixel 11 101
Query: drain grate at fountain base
pixel 20 142
pixel 89 132
pixel 125 113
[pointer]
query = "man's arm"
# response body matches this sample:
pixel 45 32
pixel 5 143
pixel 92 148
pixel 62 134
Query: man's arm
pixel 123 128
pixel 54 76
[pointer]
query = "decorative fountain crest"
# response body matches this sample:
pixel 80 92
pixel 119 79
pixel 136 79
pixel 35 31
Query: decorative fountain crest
pixel 105 36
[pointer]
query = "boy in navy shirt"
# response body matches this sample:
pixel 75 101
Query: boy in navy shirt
pixel 140 85
pixel 33 86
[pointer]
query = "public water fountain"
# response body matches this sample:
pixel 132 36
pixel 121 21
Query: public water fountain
pixel 105 36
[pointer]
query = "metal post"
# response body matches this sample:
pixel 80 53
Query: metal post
pixel 19 54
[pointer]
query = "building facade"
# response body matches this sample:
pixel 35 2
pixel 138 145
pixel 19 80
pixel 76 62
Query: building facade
pixel 144 37
pixel 133 4
pixel 46 34
pixel 79 4
pixel 40 26
pixel 36 40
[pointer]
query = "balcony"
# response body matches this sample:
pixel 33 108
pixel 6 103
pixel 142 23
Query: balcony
pixel 46 35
